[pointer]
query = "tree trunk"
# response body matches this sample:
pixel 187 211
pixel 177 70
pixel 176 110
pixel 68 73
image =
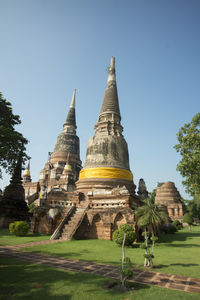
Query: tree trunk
pixel 146 244
pixel 123 278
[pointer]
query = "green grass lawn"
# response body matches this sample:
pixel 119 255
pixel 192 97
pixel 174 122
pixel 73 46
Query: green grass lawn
pixel 23 280
pixel 176 254
pixel 8 239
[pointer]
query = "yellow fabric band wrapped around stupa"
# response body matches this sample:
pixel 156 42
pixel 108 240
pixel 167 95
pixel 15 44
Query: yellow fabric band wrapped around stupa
pixel 106 173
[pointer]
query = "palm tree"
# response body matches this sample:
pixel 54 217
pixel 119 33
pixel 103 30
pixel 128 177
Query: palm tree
pixel 149 217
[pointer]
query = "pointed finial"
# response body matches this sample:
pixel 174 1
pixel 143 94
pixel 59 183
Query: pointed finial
pixel 68 154
pixel 111 73
pixel 73 99
pixel 71 116
pixel 28 165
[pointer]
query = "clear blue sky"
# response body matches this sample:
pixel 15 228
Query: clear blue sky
pixel 49 47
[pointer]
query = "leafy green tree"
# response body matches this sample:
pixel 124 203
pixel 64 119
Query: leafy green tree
pixel 12 143
pixel 118 235
pixel 149 218
pixel 189 148
pixel 194 209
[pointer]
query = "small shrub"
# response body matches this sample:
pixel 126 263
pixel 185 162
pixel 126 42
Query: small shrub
pixel 12 228
pixel 19 228
pixel 127 268
pixel 125 271
pixel 118 235
pixel 125 228
pixel 169 229
pixel 177 224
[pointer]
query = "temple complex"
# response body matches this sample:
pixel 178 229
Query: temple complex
pixel 91 202
pixel 168 196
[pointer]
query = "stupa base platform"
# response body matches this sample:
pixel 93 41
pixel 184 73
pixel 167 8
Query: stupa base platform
pixel 90 184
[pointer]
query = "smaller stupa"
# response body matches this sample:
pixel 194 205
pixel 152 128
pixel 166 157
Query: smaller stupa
pixel 66 152
pixel 13 206
pixel 27 175
pixel 57 178
pixel 31 188
pixel 168 195
pixel 142 189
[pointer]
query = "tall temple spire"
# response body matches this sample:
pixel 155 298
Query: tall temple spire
pixel 107 158
pixel 110 102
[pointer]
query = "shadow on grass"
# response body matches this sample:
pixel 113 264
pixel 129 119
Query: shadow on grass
pixel 23 280
pixel 6 232
pixel 9 239
pixel 182 245
pixel 179 236
pixel 58 254
pixel 160 266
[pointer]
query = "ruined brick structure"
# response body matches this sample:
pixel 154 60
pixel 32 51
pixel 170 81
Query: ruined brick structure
pixel 94 203
pixel 168 196
pixel 88 202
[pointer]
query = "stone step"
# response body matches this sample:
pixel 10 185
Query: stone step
pixel 69 225
pixel 72 224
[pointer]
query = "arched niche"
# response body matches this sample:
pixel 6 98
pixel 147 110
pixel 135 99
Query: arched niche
pixel 119 219
pixel 97 228
pixel 44 224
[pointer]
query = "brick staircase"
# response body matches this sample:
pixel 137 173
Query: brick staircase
pixel 73 223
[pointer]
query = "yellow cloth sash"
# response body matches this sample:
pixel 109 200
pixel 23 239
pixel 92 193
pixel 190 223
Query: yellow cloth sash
pixel 106 173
